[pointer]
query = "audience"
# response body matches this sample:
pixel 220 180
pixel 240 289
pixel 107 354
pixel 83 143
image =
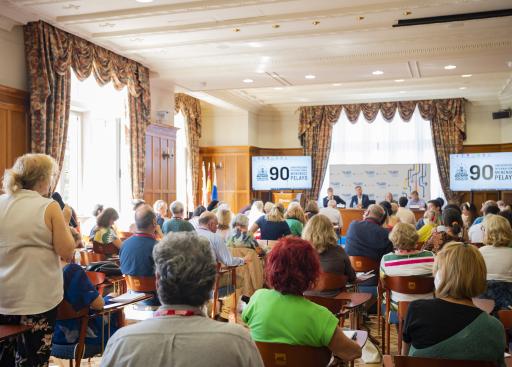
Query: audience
pixel 256 212
pixel 31 242
pixel 507 214
pixel 332 212
pixel 497 255
pixel 104 233
pixel 415 201
pixel 485 204
pixel 160 208
pixel 136 204
pixel 195 216
pixel 73 221
pixel 434 205
pixel 476 231
pixel 393 219
pixel 177 223
pixel 319 232
pixel 311 209
pixel 267 207
pixel 450 326
pixel 503 205
pixel 212 205
pixel 292 267
pixel 386 205
pixel 403 213
pixel 224 221
pixel 405 260
pixel 272 226
pixel 330 196
pixel 180 334
pixel 87 226
pixel 240 237
pixel 451 231
pixel 295 218
pixel 425 232
pixel 469 214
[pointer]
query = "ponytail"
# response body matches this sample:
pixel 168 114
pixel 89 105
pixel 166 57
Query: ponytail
pixel 12 182
pixel 27 171
pixel 456 227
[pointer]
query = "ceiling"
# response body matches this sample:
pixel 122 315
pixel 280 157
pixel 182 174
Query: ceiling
pixel 209 47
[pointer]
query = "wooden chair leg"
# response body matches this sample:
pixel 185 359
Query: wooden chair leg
pixel 235 305
pixel 383 334
pixel 388 334
pixel 215 297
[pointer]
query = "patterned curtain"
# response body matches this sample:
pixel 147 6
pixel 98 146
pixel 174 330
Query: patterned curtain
pixel 50 54
pixel 315 135
pixel 447 119
pixel 190 107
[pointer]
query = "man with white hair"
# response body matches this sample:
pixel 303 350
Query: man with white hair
pixel 333 214
pixel 177 223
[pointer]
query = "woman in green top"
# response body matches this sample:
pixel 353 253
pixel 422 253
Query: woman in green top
pixel 295 218
pixel 451 326
pixel 291 268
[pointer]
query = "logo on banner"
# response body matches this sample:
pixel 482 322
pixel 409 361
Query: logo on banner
pixel 370 173
pixel 394 173
pixel 382 185
pixel 461 174
pixel 347 173
pixel 262 175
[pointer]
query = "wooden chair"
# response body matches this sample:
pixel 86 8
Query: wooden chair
pixel 330 282
pixel 279 355
pixel 505 317
pixel 403 308
pixel 404 361
pixel 97 279
pixel 221 270
pixel 125 235
pixel 365 264
pixel 335 305
pixel 89 257
pixel 406 285
pixel 140 284
pixel 108 249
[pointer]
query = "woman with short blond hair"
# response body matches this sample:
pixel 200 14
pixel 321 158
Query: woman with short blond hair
pixel 224 222
pixel 451 326
pixel 30 272
pixel 295 218
pixel 272 225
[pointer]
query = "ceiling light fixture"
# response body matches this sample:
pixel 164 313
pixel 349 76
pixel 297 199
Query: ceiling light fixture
pixel 254 44
pixel 449 67
pixel 399 80
pixel 462 88
pixel 466 75
pixel 260 71
pixel 278 88
pixel 144 1
pixel 236 30
pixel 316 22
pixel 248 80
pixel 360 18
pixel 310 76
pixel 377 72
pixel 336 84
pixel 276 26
pixel 407 12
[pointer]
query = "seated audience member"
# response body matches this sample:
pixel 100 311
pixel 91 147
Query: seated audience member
pixel 415 201
pixel 404 213
pixel 497 255
pixel 256 212
pixel 177 223
pixel 469 214
pixel 507 214
pixel 434 205
pixel 295 218
pixel 73 222
pixel 450 231
pixel 136 254
pixel 359 200
pixel 503 205
pixel 31 242
pixel 292 267
pixel 485 204
pixel 212 206
pixel 160 208
pixel 180 333
pixel 87 226
pixel 104 232
pixel 388 222
pixel 476 231
pixel 429 220
pixel 195 216
pixel 333 214
pixel 240 237
pixel 272 226
pixel 207 229
pixel 224 221
pixel 311 209
pixel 368 238
pixel 268 207
pixel 333 259
pixel 450 326
pixel 389 198
pixel 405 260
pixel 136 204
pixel 330 196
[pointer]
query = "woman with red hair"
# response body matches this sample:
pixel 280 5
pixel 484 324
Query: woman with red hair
pixel 282 315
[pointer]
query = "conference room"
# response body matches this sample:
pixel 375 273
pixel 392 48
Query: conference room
pixel 255 183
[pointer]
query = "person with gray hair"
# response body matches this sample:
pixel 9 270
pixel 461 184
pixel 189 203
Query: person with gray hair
pixel 180 333
pixel 177 223
pixel 240 237
pixel 333 214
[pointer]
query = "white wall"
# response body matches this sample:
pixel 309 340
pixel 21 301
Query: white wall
pixel 162 99
pixel 222 126
pixel 12 62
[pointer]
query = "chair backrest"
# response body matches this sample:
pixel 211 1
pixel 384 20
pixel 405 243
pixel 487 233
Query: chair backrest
pixel 505 317
pixel 332 304
pixel 108 249
pixel 279 355
pixel 409 285
pixel 405 361
pixel 88 257
pixel 96 277
pixel 330 281
pixel 140 284
pixel 125 235
pixel 365 264
pixel 66 312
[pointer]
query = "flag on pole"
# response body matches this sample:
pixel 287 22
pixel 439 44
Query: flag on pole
pixel 208 184
pixel 215 195
pixel 204 199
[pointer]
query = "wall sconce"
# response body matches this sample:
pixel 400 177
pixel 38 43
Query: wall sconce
pixel 166 154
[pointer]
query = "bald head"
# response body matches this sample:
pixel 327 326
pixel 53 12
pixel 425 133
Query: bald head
pixel 376 212
pixel 145 218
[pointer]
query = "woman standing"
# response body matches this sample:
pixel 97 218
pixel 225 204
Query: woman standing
pixel 30 272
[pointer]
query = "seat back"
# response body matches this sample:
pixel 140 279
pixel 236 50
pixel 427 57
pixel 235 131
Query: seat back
pixel 96 277
pixel 66 312
pixel 330 281
pixel 108 249
pixel 279 355
pixel 334 305
pixel 405 361
pixel 88 257
pixel 364 264
pixel 505 317
pixel 125 235
pixel 140 284
pixel 409 285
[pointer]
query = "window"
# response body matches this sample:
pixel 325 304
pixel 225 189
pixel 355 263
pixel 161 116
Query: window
pixel 183 164
pixel 97 159
pixel 382 142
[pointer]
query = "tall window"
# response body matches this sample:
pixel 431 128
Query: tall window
pixel 382 142
pixel 97 159
pixel 183 164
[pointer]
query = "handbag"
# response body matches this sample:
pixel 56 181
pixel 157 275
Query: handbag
pixel 106 267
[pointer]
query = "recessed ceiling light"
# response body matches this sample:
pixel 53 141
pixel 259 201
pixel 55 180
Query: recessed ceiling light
pixel 399 80
pixel 466 75
pixel 377 72
pixel 462 88
pixel 316 22
pixel 402 91
pixel 254 44
pixel 144 1
pixel 260 71
pixel 278 88
pixel 236 29
pixel 336 84
pixel 276 26
pixel 407 12
pixel 450 67
pixel 310 76
pixel 248 81
pixel 360 18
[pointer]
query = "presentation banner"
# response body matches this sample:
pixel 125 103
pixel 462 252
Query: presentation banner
pixel 281 172
pixel 481 171
pixel 379 179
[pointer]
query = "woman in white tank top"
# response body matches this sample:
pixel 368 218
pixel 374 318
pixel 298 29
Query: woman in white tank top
pixel 33 234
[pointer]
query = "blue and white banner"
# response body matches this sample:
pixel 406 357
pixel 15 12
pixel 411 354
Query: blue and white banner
pixel 379 179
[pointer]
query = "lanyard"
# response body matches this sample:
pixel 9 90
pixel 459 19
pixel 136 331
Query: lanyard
pixel 147 235
pixel 176 312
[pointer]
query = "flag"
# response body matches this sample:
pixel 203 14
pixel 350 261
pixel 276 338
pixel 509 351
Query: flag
pixel 208 184
pixel 204 199
pixel 215 195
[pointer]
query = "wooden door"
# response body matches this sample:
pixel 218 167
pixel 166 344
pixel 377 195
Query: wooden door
pixel 160 181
